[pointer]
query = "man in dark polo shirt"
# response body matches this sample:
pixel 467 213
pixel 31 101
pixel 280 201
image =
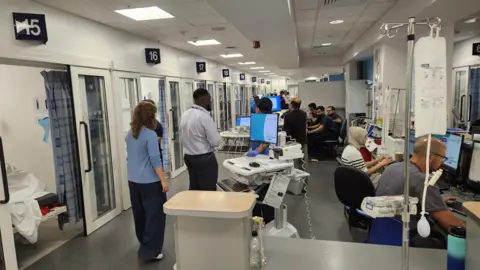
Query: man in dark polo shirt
pixel 295 125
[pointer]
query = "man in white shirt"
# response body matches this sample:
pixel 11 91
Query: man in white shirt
pixel 200 137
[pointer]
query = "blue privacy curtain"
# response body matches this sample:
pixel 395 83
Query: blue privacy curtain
pixel 162 111
pixel 475 92
pixel 64 143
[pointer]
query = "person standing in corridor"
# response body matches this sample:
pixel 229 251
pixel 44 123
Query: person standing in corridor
pixel 146 181
pixel 200 137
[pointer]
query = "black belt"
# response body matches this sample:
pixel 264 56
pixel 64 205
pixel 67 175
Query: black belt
pixel 201 155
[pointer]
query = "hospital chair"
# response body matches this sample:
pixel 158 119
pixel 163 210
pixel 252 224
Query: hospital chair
pixel 351 187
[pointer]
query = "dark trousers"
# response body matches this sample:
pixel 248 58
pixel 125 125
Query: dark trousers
pixel 203 171
pixel 315 140
pixel 147 207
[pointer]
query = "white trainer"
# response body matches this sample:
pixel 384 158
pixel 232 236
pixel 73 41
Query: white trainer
pixel 159 257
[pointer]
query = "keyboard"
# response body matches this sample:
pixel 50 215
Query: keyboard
pixel 232 186
pixel 456 207
pixel 237 149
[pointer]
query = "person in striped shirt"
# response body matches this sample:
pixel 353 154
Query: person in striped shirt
pixel 351 156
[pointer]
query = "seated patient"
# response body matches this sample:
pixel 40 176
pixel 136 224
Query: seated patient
pixel 391 183
pixel 351 156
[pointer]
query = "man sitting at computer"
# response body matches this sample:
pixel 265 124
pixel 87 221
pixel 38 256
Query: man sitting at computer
pixel 323 131
pixel 391 183
pixel 264 105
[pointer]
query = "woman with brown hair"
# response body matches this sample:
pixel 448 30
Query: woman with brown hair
pixel 146 180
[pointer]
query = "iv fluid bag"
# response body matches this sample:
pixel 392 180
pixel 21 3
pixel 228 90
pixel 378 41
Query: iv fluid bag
pixel 430 86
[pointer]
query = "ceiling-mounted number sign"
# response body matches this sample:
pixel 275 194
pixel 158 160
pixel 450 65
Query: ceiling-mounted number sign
pixel 27 26
pixel 254 79
pixel 152 56
pixel 262 81
pixel 476 49
pixel 268 82
pixel 242 77
pixel 225 73
pixel 201 67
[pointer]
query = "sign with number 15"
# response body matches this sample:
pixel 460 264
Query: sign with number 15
pixel 29 26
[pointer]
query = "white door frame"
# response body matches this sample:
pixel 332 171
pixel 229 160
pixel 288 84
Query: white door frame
pixel 119 78
pixel 90 222
pixel 464 99
pixel 171 135
pixel 6 230
pixel 186 94
pixel 219 103
pixel 214 100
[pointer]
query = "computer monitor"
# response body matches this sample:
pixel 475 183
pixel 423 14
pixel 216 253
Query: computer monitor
pixel 243 121
pixel 453 144
pixel 277 103
pixel 264 128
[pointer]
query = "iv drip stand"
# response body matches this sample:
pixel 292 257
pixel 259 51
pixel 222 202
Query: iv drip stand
pixel 390 30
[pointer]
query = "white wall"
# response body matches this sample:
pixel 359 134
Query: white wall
pixel 77 41
pixel 356 96
pixel 22 137
pixel 462 53
pixel 278 85
pixel 323 93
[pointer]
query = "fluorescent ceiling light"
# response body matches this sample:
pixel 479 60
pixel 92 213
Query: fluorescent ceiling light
pixel 473 20
pixel 257 68
pixel 336 22
pixel 247 63
pixel 232 55
pixel 206 42
pixel 326 44
pixel 264 71
pixel 271 74
pixel 145 14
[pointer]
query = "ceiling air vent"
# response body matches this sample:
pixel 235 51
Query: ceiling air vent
pixel 330 2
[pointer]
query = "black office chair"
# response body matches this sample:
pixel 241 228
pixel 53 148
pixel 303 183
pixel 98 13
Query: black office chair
pixel 351 187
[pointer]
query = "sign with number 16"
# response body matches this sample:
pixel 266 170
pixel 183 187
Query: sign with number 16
pixel 152 56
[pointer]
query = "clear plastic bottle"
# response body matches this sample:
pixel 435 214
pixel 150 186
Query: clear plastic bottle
pixel 255 255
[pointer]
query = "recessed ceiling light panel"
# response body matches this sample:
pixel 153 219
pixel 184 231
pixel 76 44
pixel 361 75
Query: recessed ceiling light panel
pixel 472 20
pixel 206 42
pixel 247 63
pixel 145 13
pixel 231 55
pixel 257 68
pixel 336 21
pixel 326 44
pixel 264 71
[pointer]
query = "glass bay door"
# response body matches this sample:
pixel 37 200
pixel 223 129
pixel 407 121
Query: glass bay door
pixel 97 137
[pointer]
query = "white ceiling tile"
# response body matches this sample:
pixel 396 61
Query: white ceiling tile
pixel 306 24
pixel 305 4
pixel 305 15
pixel 342 12
pixel 305 31
pixel 369 18
pixel 197 8
pixel 206 20
pixel 378 8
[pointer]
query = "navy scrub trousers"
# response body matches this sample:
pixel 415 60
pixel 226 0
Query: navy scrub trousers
pixel 147 207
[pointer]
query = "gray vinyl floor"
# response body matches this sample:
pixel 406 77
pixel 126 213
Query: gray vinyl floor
pixel 114 246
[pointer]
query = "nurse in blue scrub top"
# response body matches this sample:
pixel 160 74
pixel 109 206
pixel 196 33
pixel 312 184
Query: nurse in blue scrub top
pixel 264 105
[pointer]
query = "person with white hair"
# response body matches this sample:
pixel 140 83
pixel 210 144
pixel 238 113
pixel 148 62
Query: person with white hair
pixel 351 156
